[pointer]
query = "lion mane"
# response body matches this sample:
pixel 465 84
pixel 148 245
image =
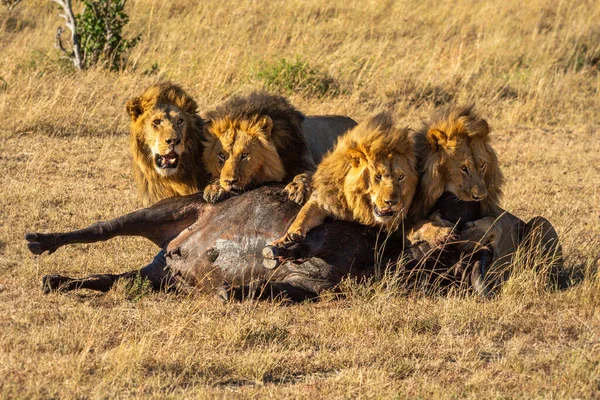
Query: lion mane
pixel 264 128
pixel 456 138
pixel 166 111
pixel 369 177
pixel 343 182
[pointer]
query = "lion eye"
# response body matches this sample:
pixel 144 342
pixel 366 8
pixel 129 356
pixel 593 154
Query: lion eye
pixel 244 155
pixel 222 156
pixel 400 177
pixel 157 121
pixel 464 169
pixel 180 121
pixel 377 177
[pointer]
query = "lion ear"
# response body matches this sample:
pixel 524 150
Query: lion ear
pixel 134 108
pixel 208 132
pixel 438 138
pixel 265 123
pixel 479 128
pixel 355 156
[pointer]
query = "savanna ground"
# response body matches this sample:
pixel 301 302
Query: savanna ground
pixel 533 70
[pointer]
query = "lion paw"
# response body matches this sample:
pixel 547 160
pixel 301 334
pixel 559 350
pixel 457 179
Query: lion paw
pixel 214 192
pixel 299 189
pixel 482 231
pixel 435 235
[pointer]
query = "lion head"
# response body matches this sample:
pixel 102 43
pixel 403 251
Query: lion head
pixel 165 143
pixel 370 176
pixel 456 157
pixel 252 140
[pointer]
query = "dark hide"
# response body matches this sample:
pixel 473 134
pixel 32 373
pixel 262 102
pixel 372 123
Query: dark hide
pixel 207 245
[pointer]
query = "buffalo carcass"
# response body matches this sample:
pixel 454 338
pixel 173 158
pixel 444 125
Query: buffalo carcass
pixel 221 245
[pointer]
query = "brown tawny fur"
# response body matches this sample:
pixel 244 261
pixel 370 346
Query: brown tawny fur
pixel 164 123
pixel 455 155
pixel 369 177
pixel 251 140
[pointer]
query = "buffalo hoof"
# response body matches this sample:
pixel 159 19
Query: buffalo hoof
pixel 480 284
pixel 39 243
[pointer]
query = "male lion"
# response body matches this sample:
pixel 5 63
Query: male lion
pixel 456 159
pixel 255 139
pixel 166 143
pixel 370 177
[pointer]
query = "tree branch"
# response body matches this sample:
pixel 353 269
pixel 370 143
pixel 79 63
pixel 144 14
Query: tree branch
pixel 71 23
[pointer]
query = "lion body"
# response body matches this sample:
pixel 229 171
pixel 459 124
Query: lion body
pixel 369 177
pixel 165 126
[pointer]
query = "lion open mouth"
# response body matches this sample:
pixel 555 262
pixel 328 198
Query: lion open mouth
pixel 388 212
pixel 167 161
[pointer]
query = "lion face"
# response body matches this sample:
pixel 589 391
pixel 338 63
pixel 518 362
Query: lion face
pixel 465 173
pixel 162 120
pixel 165 131
pixel 386 183
pixel 463 156
pixel 241 153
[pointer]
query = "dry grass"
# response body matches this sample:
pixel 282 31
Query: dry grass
pixel 533 69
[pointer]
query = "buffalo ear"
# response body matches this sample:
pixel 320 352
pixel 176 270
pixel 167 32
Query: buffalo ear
pixel 265 123
pixel 355 156
pixel 134 108
pixel 437 139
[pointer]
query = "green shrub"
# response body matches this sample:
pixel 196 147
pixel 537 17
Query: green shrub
pixel 294 77
pixel 100 27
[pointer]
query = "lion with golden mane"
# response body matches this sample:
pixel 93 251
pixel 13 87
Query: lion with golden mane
pixel 456 159
pixel 165 143
pixel 370 177
pixel 252 140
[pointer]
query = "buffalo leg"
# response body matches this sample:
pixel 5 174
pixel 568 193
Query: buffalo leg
pixel 159 223
pixel 155 273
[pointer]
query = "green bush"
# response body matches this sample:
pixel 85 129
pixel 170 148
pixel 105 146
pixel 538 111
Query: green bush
pixel 100 27
pixel 294 77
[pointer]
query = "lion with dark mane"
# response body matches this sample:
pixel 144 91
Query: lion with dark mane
pixel 165 143
pixel 369 177
pixel 252 140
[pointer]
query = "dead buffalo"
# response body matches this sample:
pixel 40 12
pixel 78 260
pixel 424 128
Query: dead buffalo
pixel 212 245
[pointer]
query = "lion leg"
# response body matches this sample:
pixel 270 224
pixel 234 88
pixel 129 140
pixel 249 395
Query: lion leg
pixel 435 231
pixel 155 273
pixel 310 216
pixel 299 190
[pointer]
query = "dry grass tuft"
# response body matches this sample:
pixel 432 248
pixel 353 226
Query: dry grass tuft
pixel 532 68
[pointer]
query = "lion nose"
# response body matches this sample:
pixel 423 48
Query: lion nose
pixel 478 193
pixel 173 141
pixel 391 203
pixel 230 182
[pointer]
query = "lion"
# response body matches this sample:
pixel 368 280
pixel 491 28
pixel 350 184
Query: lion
pixel 162 169
pixel 369 177
pixel 165 143
pixel 252 140
pixel 456 158
pixel 455 155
